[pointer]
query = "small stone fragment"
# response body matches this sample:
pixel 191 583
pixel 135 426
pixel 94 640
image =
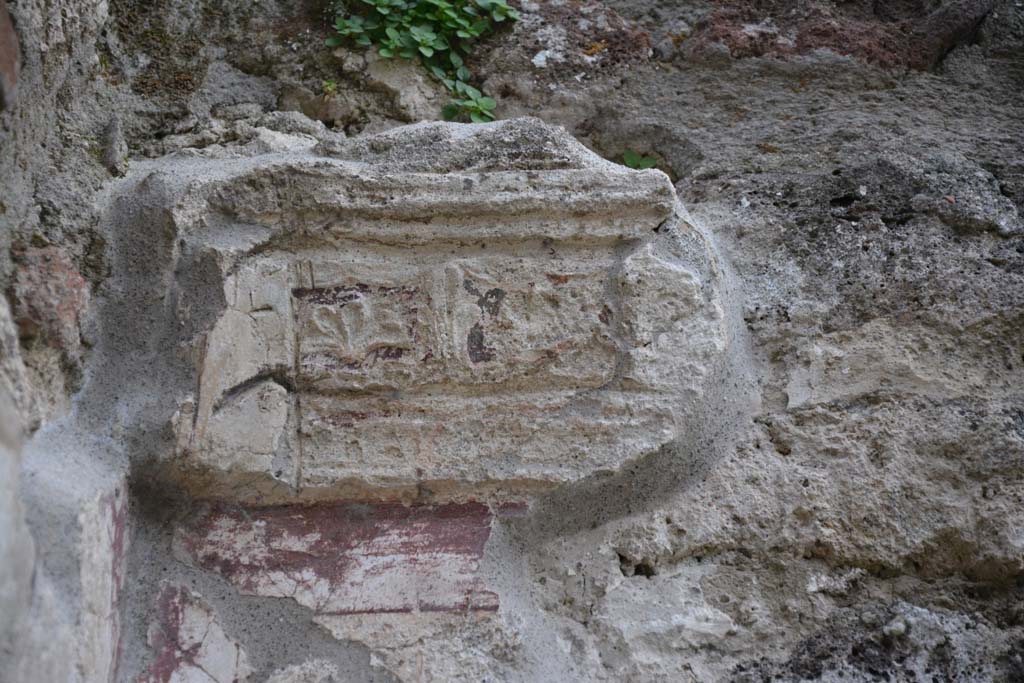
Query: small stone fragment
pixel 314 671
pixel 895 628
pixel 115 150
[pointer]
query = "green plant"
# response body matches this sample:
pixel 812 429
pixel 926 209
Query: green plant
pixel 473 103
pixel 439 33
pixel 637 160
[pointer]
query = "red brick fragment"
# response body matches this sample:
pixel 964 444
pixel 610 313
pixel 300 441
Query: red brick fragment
pixel 10 59
pixel 50 299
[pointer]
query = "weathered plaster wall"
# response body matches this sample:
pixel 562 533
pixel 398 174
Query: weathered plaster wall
pixel 841 499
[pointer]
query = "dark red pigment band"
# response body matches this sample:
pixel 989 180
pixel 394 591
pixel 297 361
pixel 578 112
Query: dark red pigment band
pixel 349 558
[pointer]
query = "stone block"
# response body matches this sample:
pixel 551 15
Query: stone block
pixel 104 552
pixel 62 573
pixel 440 310
pixel 78 514
pixel 17 550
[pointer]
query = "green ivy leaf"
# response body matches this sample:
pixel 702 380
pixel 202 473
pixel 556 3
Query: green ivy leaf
pixel 637 161
pixel 441 33
pixel 467 90
pixel 450 112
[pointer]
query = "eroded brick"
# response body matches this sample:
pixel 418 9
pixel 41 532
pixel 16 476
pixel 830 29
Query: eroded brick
pixel 50 299
pixel 10 59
